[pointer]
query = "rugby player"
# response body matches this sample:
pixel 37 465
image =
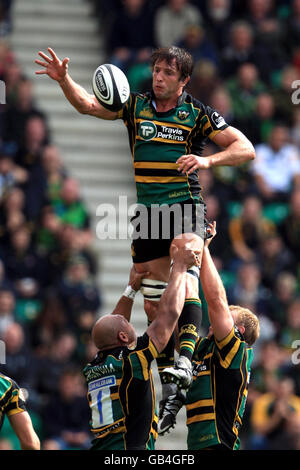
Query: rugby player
pixel 120 386
pixel 216 400
pixel 12 405
pixel 167 131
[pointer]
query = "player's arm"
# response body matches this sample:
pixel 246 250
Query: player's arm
pixel 125 303
pixel 22 426
pixel 215 295
pixel 237 149
pixel 80 99
pixel 172 300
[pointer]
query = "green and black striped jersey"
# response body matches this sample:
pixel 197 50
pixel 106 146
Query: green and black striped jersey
pixel 216 400
pixel 122 397
pixel 158 139
pixel 11 401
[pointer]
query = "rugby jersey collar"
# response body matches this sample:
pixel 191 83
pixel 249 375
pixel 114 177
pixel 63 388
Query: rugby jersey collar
pixel 180 101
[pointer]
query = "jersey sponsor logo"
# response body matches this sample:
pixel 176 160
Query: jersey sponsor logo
pixel 147 130
pixel 217 119
pixel 100 383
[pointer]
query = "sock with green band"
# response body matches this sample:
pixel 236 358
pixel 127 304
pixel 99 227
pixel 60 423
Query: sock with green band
pixel 166 357
pixel 189 324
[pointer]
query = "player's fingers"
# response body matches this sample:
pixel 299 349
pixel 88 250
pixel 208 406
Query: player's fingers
pixel 51 51
pixel 65 62
pixel 40 62
pixel 41 72
pixel 45 57
pixel 191 170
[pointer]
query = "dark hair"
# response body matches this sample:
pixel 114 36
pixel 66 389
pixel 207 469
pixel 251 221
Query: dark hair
pixel 183 59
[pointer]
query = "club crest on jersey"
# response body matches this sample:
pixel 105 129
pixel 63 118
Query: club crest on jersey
pixel 183 115
pixel 147 130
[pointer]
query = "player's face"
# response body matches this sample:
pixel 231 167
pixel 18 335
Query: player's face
pixel 166 81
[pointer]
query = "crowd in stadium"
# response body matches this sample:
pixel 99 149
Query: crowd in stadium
pixel 247 58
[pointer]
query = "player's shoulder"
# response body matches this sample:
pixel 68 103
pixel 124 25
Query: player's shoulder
pixel 195 103
pixel 6 384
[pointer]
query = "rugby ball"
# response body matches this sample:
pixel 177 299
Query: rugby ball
pixel 111 87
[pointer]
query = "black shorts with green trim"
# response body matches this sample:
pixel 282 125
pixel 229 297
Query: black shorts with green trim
pixel 156 226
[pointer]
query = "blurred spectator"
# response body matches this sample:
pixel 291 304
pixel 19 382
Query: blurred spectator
pixel 268 369
pixel 197 43
pixel 218 21
pixel 26 270
pixel 240 49
pixel 248 229
pixel 19 112
pixel 289 227
pixel 6 57
pixel 220 99
pixel 271 414
pixel 77 289
pixel 283 294
pixel 204 81
pixel 29 157
pixel 48 325
pixel 292 27
pixel 248 290
pixel 259 127
pixel 270 53
pixel 12 215
pixel 12 75
pixel 244 90
pixel 60 354
pixel 55 172
pixel 7 310
pixel 273 258
pixel 277 166
pixel 291 332
pixel 172 19
pixel 71 209
pixel 66 416
pixel 282 94
pixel 70 244
pixel 131 34
pixel 35 138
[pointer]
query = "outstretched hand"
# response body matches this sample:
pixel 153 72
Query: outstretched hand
pixel 52 66
pixel 185 256
pixel 135 278
pixel 212 231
